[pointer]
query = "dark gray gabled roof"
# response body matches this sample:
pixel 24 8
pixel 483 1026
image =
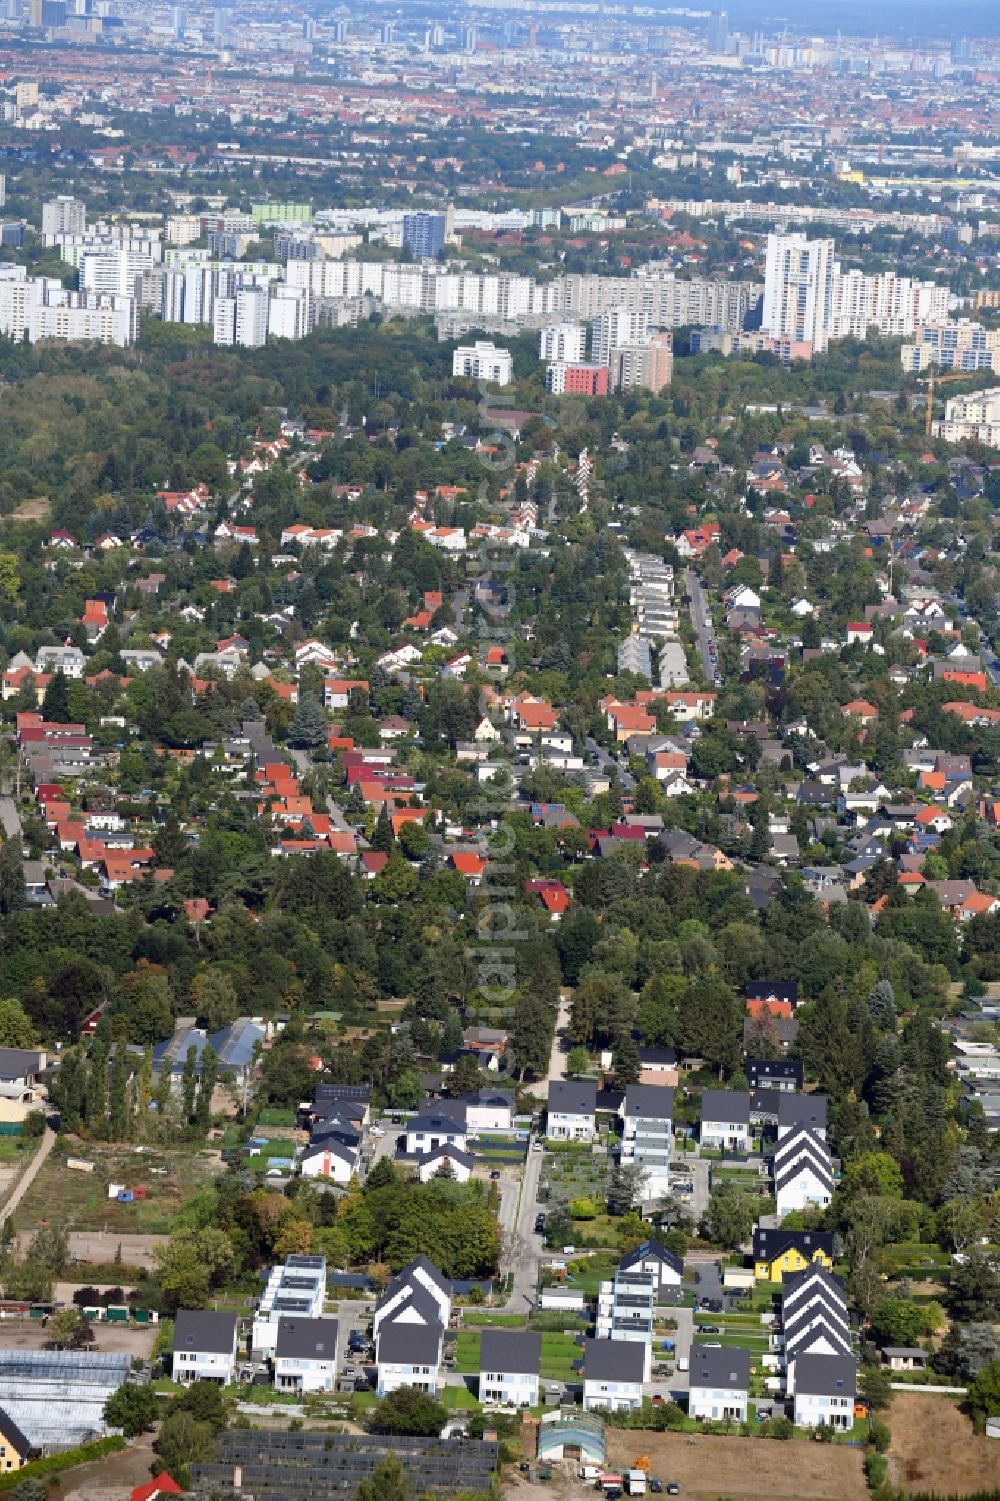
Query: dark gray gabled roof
pixel 573 1097
pixel 307 1339
pixel 802 1110
pixel 727 1106
pixel 16 1063
pixel 15 1438
pixel 727 1370
pixel 409 1344
pixel 613 1360
pixel 651 1250
pixel 650 1101
pixel 826 1376
pixel 201 1331
pixel 514 1352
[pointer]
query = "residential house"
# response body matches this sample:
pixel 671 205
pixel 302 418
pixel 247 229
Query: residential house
pixel 572 1110
pixel 803 1171
pixel 426 1132
pixel 419 1294
pixel 802 1110
pixel 15 1450
pixel 489 1110
pixel 409 1355
pixel 647 1121
pixel 613 1373
pixel 824 1390
pixel 905 1358
pixel 777 1253
pixel 305 1355
pixel 782 1074
pixel 719 1384
pixel 653 1259
pixel 725 1120
pixel 204 1347
pixel 625 1310
pixel 295 1289
pixel 449 1162
pixel 509 1361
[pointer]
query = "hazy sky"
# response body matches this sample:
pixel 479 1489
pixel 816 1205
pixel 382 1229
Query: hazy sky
pixel 898 17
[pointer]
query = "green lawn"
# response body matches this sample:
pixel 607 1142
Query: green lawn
pixel 494 1320
pixel 559 1352
pixel 467 1353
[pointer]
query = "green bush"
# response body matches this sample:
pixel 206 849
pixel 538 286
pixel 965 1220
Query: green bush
pixel 876 1468
pixel 583 1209
pixel 879 1435
pixel 54 1464
pixel 782 1428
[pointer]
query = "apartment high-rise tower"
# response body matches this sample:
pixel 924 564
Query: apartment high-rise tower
pixel 799 289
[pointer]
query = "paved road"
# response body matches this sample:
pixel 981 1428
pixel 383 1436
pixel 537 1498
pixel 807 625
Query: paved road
pixel 606 763
pixel 31 1172
pixel 701 619
pixel 560 1046
pixel 527 1245
pixel 10 818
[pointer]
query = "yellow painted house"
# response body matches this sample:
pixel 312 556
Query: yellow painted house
pixel 14 1447
pixel 776 1253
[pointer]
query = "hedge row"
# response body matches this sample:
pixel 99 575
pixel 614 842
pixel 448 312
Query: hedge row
pixel 54 1464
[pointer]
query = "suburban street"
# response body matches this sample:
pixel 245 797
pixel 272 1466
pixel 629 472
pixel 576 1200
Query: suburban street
pixel 10 818
pixel 702 621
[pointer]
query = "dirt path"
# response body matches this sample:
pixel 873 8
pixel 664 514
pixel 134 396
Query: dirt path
pixel 30 1173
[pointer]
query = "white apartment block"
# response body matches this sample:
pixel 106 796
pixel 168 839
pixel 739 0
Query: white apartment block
pixel 41 308
pixel 63 215
pixel 290 313
pixel 483 361
pixel 617 328
pixel 894 305
pixel 566 342
pixel 113 271
pixel 799 289
pixel 974 416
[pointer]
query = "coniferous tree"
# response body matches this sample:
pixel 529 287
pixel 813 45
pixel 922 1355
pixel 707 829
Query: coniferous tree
pixel 308 728
pixel 55 703
pixel 189 1082
pixel 209 1074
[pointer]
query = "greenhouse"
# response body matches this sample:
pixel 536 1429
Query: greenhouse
pixel 57 1397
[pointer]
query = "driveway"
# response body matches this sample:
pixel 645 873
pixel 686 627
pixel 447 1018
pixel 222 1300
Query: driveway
pixel 30 1173
pixel 10 818
pixel 560 1046
pixel 527 1252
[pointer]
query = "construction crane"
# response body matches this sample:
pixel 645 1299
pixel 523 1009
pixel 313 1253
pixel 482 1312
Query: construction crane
pixel 935 379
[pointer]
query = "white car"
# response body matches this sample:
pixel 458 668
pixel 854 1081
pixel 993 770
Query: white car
pixel 375 1131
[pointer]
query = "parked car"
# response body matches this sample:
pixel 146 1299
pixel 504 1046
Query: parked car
pixel 673 1489
pixel 539 1224
pixel 709 1329
pixel 494 1175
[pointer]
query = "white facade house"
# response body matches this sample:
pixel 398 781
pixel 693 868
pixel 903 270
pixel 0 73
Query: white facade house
pixel 796 1109
pixel 654 1260
pixel 305 1356
pixel 725 1120
pixel 425 1133
pixel 204 1347
pixel 459 1164
pixel 572 1110
pixel 803 1171
pixel 483 361
pixel 647 1118
pixel 825 1388
pixel 613 1373
pixel 508 1367
pixel 295 1289
pixel 719 1386
pixel 409 1355
pixel 489 1110
pixel 419 1294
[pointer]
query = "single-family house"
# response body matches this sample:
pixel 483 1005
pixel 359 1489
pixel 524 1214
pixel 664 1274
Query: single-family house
pixel 719 1384
pixel 204 1346
pixel 509 1360
pixel 824 1390
pixel 725 1119
pixel 305 1355
pixel 803 1171
pixel 782 1074
pixel 446 1162
pixel 802 1110
pixel 572 1110
pixel 776 1252
pixel 652 1258
pixel 15 1450
pixel 419 1294
pixel 613 1373
pixel 426 1132
pixel 409 1355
